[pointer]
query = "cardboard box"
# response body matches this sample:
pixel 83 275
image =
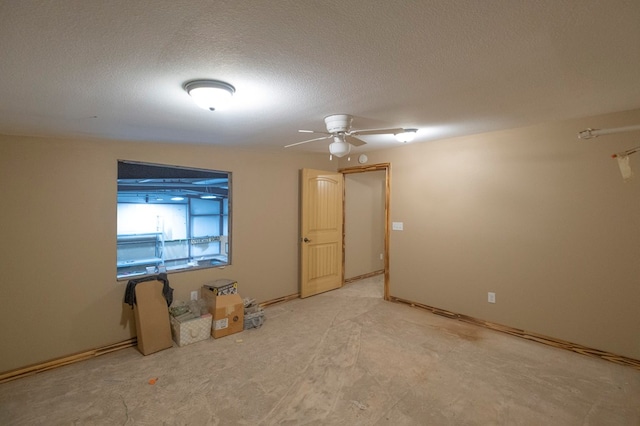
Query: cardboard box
pixel 191 331
pixel 221 287
pixel 227 311
pixel 152 318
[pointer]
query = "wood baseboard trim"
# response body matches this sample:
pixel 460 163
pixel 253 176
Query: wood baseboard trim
pixel 362 277
pixel 279 300
pixel 550 341
pixel 546 340
pixel 81 356
pixel 70 359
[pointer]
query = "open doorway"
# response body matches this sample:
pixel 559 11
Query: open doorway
pixel 366 219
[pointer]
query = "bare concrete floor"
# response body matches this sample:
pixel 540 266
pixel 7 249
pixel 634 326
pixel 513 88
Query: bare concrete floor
pixel 342 358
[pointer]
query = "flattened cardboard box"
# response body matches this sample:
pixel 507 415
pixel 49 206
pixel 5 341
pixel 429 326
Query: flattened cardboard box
pixel 152 318
pixel 191 331
pixel 228 314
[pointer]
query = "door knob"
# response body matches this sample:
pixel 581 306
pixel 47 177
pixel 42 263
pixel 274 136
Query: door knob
pixel 306 240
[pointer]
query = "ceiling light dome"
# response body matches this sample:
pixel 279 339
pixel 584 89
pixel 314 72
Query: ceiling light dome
pixel 407 135
pixel 339 147
pixel 210 94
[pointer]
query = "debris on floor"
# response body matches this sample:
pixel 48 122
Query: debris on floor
pixel 359 404
pixel 253 314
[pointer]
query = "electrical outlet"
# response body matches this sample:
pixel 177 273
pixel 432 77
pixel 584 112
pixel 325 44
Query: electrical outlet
pixel 381 256
pixel 491 297
pixel 194 295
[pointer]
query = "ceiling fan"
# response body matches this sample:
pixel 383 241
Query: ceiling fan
pixel 339 128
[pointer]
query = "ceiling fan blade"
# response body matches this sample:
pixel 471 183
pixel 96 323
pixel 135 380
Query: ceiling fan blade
pixel 377 132
pixel 354 141
pixel 307 141
pixel 312 131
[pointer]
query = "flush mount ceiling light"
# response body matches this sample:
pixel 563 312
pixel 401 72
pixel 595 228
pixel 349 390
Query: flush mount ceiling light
pixel 407 135
pixel 210 94
pixel 339 147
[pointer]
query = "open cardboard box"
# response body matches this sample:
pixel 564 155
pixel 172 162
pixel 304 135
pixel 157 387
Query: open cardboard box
pixel 227 311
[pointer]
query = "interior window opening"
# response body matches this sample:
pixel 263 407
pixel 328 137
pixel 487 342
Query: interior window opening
pixel 171 219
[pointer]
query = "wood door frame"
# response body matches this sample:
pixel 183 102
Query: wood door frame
pixel 387 214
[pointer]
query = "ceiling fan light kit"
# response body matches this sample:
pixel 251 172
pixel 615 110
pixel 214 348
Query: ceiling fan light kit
pixel 210 94
pixel 339 147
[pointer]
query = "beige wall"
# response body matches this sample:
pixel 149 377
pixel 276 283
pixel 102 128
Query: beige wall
pixel 364 222
pixel 58 250
pixel 535 215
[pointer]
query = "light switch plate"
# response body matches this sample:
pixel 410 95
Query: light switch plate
pixel 397 226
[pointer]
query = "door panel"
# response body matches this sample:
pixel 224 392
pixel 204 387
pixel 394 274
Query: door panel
pixel 321 231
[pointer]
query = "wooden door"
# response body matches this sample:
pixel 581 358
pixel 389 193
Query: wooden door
pixel 321 231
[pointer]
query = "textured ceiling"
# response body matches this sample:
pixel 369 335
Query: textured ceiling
pixel 115 69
